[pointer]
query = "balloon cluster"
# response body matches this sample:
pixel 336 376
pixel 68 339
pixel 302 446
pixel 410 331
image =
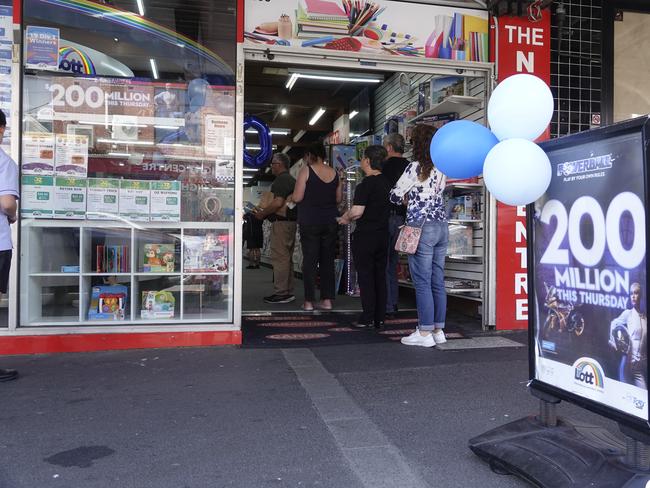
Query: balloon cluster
pixel 515 169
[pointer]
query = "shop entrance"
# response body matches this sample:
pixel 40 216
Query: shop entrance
pixel 386 97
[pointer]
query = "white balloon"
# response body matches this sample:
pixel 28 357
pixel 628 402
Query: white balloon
pixel 517 171
pixel 521 106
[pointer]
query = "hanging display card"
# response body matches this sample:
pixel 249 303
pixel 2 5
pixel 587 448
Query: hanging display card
pixel 71 156
pixel 41 47
pixel 37 197
pixel 165 201
pixel 134 200
pixel 38 154
pixel 69 198
pixel 219 136
pixel 103 199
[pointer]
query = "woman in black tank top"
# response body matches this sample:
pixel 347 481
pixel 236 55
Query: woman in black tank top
pixel 317 193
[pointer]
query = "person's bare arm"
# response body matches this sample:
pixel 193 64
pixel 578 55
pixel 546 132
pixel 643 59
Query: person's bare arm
pixel 351 215
pixel 271 208
pixel 8 205
pixel 301 184
pixel 339 190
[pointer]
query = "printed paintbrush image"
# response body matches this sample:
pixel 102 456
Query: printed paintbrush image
pixel 378 27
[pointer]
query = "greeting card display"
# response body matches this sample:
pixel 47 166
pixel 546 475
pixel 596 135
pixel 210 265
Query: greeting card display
pixel 205 254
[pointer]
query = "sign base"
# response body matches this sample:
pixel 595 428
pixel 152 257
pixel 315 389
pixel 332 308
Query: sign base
pixel 570 455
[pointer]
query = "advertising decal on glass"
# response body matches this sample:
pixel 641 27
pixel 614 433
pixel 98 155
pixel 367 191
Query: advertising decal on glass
pixel 590 275
pixel 41 47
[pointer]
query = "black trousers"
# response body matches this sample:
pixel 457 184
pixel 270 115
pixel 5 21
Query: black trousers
pixel 318 252
pixel 370 253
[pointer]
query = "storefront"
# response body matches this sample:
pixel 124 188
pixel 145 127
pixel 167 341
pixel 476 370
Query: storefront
pixel 131 160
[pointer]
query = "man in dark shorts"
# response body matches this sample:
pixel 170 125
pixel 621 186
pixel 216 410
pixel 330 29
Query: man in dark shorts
pixel 8 198
pixel 283 230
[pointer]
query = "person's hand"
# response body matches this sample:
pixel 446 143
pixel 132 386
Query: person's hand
pixel 342 220
pixel 289 199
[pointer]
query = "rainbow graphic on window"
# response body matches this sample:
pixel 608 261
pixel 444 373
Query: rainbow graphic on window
pixel 71 56
pixel 589 373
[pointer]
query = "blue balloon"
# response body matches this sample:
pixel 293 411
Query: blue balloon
pixel 264 135
pixel 459 148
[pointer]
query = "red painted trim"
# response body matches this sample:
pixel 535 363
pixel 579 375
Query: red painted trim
pixel 18 5
pixel 10 345
pixel 240 20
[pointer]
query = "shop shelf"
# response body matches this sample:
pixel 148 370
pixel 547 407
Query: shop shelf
pixel 152 273
pixel 464 186
pixel 452 104
pixel 53 274
pixel 105 274
pixel 464 257
pixel 465 221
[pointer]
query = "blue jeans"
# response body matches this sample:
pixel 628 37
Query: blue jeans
pixel 427 267
pixel 392 289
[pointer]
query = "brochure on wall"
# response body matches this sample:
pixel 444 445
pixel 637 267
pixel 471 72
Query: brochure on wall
pixel 37 197
pixel 381 27
pixel 134 200
pixel 103 199
pixel 6 44
pixel 41 47
pixel 38 154
pixel 165 201
pixel 219 136
pixel 69 197
pixel 589 243
pixel 71 155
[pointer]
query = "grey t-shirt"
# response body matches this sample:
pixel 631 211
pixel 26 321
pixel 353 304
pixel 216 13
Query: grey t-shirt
pixel 8 186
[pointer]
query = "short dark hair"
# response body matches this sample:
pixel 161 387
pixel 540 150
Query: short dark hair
pixel 396 141
pixel 316 149
pixel 376 154
pixel 283 158
pixel 3 119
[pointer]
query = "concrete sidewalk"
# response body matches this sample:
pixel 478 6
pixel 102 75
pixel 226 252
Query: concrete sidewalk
pixel 380 415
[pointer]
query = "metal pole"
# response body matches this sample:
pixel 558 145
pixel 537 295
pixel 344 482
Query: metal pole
pixel 548 413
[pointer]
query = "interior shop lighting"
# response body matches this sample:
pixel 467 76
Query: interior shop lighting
pixel 300 133
pixel 317 116
pixel 353 114
pixel 140 7
pixel 273 132
pixel 250 170
pixel 174 127
pixel 154 68
pixel 286 149
pixel 283 111
pixel 119 154
pixel 331 76
pixel 119 141
pixel 126 124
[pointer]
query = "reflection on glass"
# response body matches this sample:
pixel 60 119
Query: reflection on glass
pixel 129 144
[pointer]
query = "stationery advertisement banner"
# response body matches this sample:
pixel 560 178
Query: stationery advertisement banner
pixel 41 47
pixel 589 245
pixel 381 27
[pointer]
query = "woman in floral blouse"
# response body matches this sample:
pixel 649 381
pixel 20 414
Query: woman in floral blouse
pixel 421 189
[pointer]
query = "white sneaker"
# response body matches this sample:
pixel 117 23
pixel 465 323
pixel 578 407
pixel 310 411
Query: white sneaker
pixel 416 339
pixel 439 337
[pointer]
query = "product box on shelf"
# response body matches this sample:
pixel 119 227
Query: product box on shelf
pixel 37 197
pixel 462 207
pixel 460 240
pixel 112 259
pixel 424 97
pixel 205 254
pixel 108 302
pixel 103 199
pixel 165 201
pixel 157 305
pixel 159 258
pixel 134 200
pixel 69 197
pixel 446 86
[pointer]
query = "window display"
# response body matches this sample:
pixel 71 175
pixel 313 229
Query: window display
pixel 128 170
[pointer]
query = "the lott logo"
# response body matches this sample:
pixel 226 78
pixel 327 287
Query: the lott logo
pixel 588 373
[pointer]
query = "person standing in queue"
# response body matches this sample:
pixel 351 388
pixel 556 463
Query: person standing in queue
pixel 392 170
pixel 8 197
pixel 283 230
pixel 422 186
pixel 317 193
pixel 371 209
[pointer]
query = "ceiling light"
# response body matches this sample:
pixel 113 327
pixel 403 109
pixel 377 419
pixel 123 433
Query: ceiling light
pixel 283 111
pixel 119 154
pixel 353 114
pixel 286 149
pixel 292 81
pixel 273 132
pixel 118 141
pixel 140 7
pixel 317 116
pixel 251 170
pixel 340 78
pixel 175 127
pixel 154 68
pixel 299 135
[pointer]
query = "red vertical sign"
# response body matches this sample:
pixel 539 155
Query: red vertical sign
pixel 522 46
